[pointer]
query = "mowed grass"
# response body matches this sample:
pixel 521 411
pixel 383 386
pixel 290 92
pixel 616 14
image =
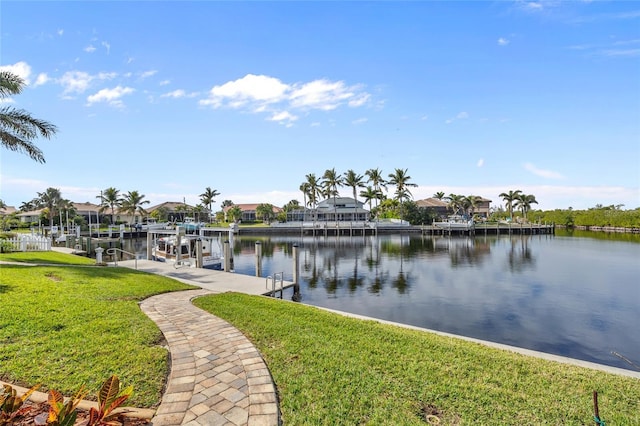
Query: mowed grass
pixel 67 326
pixel 334 370
pixel 47 257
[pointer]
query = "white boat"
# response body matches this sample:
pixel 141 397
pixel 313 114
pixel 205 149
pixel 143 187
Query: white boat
pixel 455 222
pixel 153 224
pixel 165 250
pixel 190 225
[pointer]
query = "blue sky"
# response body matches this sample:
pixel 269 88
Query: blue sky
pixel 168 98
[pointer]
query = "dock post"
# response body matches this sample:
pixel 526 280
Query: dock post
pixel 258 258
pixel 199 253
pixel 149 247
pixel 227 257
pixel 296 274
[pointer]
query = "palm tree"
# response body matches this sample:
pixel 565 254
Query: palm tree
pixel 353 180
pixel 110 199
pixel 523 202
pixel 51 199
pixel 439 195
pixel 132 203
pixel 17 127
pixel 470 203
pixel 456 202
pixel 369 194
pixel 332 180
pixel 314 189
pixel 304 187
pixel 400 179
pixel 207 198
pixel 378 182
pixel 509 198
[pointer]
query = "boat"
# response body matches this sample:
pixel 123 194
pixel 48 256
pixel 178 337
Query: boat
pixel 456 222
pixel 165 250
pixel 190 225
pixel 150 224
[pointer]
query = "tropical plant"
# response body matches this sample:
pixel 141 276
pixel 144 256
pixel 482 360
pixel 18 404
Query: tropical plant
pixel 226 203
pixel 353 180
pixel 400 179
pixel 331 181
pixel 524 202
pixel 234 213
pixel 207 198
pixel 375 178
pixel 11 405
pixel 314 188
pixel 132 204
pixel 110 397
pixel 509 198
pixel 109 199
pixel 439 195
pixel 61 413
pixel 51 200
pixel 470 204
pixel 369 194
pixel 18 128
pixel 265 211
pixel 456 202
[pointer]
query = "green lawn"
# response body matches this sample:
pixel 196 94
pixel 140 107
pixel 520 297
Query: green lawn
pixel 65 326
pixel 47 257
pixel 332 370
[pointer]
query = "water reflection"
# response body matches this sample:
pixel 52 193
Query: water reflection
pixel 576 297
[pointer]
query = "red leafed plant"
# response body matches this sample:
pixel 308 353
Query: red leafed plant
pixel 110 397
pixel 11 405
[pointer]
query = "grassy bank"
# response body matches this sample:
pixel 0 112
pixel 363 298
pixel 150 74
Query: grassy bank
pixel 330 369
pixel 65 326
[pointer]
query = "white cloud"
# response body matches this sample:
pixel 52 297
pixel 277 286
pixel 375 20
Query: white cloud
pixel 41 79
pixel 79 81
pixel 503 41
pixel 480 162
pixel 21 69
pixel 179 94
pixel 261 93
pixel 325 95
pixel 547 174
pixel 60 32
pixel 106 46
pixel 110 96
pixel 165 82
pixel 461 116
pixel 360 121
pixel 250 88
pixel 90 49
pixel 283 117
pixel 147 74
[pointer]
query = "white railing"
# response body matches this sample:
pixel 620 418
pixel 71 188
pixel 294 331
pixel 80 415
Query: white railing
pixel 27 243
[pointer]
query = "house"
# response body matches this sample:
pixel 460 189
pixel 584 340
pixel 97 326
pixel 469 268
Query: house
pixel 173 211
pixel 341 209
pixel 439 207
pixel 7 210
pixel 248 211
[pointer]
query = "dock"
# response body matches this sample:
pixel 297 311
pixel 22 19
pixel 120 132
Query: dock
pixel 208 279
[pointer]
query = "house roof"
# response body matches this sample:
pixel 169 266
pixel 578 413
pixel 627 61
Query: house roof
pixel 250 207
pixel 7 210
pixel 432 202
pixel 169 206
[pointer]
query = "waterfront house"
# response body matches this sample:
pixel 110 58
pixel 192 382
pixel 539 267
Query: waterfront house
pixel 341 209
pixel 249 211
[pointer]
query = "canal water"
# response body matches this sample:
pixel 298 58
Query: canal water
pixel 575 295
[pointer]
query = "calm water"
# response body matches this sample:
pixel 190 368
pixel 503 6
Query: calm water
pixel 566 295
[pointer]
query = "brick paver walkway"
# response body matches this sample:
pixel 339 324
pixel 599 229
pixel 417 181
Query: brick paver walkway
pixel 217 376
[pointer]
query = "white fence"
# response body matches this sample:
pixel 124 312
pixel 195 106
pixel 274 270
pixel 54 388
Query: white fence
pixel 26 243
